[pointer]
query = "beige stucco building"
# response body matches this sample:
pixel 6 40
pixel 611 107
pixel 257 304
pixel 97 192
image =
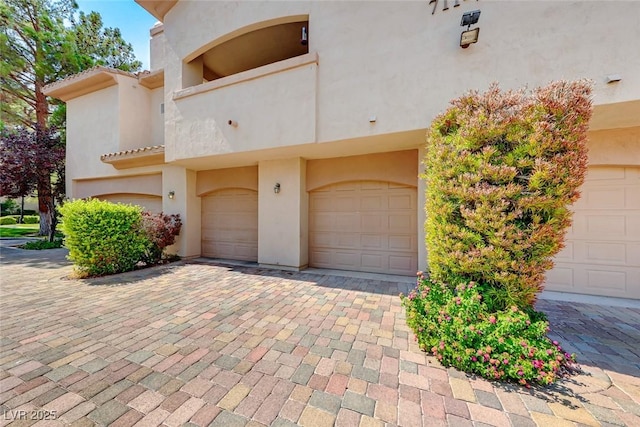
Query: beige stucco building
pixel 297 154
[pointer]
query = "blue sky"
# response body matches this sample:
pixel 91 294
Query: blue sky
pixel 133 21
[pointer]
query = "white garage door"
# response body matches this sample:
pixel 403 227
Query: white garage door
pixel 149 203
pixel 230 224
pixel 364 226
pixel 602 253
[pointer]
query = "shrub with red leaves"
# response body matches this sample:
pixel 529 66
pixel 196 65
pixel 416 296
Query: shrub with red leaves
pixel 161 231
pixel 501 169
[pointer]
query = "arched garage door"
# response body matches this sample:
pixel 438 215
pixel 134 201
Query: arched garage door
pixel 364 226
pixel 602 253
pixel 149 203
pixel 230 224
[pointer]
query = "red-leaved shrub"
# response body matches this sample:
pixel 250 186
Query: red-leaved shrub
pixel 161 231
pixel 501 168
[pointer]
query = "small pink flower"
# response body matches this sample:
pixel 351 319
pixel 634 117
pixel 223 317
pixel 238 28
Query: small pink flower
pixel 492 320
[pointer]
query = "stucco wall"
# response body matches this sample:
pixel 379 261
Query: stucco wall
pixel 92 130
pixel 156 47
pixel 399 167
pixel 213 180
pixel 141 184
pixel 404 73
pixel 156 116
pixel 185 203
pixel 615 147
pixel 135 114
pixel 272 111
pixel 282 217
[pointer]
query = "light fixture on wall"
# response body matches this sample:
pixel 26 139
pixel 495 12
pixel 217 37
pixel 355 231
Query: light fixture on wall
pixel 172 194
pixel 232 123
pixel 276 188
pixel 304 39
pixel 613 78
pixel 469 36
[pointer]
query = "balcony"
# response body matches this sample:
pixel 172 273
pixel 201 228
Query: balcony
pixel 265 107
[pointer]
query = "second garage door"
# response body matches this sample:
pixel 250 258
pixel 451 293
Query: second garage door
pixel 364 226
pixel 230 224
pixel 602 252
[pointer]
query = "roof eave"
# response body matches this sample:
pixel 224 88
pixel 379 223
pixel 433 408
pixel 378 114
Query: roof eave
pixel 157 8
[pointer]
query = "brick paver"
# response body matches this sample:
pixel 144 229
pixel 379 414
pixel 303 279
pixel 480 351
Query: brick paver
pixel 201 344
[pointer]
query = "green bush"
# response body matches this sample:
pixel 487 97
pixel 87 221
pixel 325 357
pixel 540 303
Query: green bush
pixel 501 169
pixel 42 244
pixel 103 237
pixel 31 219
pixel 8 220
pixel 458 328
pixel 8 207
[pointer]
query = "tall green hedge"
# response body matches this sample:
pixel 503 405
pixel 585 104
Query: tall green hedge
pixel 103 237
pixel 501 169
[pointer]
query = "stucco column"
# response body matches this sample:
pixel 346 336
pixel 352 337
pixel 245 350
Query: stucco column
pixel 182 182
pixel 422 248
pixel 283 216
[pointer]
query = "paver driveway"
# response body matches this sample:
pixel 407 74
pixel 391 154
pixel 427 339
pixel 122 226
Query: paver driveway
pixel 205 344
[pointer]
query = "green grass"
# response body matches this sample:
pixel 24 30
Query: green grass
pixel 19 230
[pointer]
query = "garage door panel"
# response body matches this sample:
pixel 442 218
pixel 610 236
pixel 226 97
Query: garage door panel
pixel 634 254
pixel 561 277
pixel 372 203
pixel 606 253
pixel 374 223
pixel 605 198
pixel 372 241
pixel 375 231
pixel 632 198
pixel 566 253
pixel 606 225
pixel 372 261
pixel 346 241
pixel 401 202
pixel 321 221
pixel 367 186
pixel 402 263
pixel 602 254
pixel 404 223
pixel 320 239
pixel 606 279
pixel 633 226
pixel 230 224
pixel 402 243
pixel 345 222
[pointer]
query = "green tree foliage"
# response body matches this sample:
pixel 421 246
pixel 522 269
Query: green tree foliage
pixel 41 41
pixel 102 46
pixel 501 169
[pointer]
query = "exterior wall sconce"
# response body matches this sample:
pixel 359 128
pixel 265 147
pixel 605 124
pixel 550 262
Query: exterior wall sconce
pixel 613 78
pixel 276 188
pixel 172 194
pixel 469 36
